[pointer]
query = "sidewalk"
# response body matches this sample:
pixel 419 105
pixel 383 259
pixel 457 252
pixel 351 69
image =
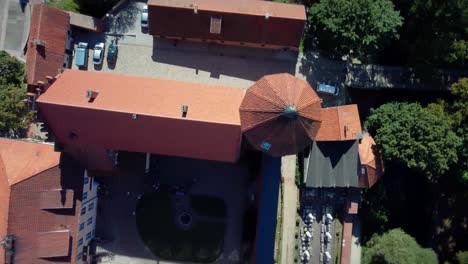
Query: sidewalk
pixel 290 194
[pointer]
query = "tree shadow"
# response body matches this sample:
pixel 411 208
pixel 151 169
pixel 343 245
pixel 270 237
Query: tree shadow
pixel 124 19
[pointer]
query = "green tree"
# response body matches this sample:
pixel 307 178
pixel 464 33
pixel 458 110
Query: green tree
pixel 14 113
pixel 462 257
pixel 456 113
pixel 396 247
pixel 435 32
pixel 414 136
pixel 11 69
pixel 359 26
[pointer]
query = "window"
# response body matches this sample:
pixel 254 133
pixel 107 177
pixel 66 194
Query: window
pixel 83 210
pixel 81 226
pixel 93 231
pixel 86 180
pixel 85 196
pixel 215 25
pixel 90 221
pixel 265 146
pixel 78 256
pixel 91 206
pixel 80 242
pixel 88 236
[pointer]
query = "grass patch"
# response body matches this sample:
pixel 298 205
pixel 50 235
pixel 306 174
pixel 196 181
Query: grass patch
pixel 203 242
pixel 208 206
pixel 279 226
pixel 67 5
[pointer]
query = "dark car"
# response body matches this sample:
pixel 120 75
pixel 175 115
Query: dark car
pixel 112 53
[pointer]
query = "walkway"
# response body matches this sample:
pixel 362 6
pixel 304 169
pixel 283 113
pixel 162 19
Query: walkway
pixel 290 194
pixel 14 26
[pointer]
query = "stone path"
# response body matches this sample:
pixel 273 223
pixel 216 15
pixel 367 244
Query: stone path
pixel 290 194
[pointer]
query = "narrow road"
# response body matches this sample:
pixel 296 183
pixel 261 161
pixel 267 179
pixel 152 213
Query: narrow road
pixel 290 194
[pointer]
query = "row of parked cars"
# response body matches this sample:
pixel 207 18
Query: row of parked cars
pixel 81 54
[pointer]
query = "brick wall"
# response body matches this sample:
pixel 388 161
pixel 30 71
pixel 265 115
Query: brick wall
pixel 26 218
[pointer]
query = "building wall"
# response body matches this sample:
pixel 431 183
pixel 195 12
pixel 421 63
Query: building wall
pixel 88 211
pixel 26 219
pixel 235 28
pixel 4 204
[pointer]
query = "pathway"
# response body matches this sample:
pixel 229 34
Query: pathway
pixel 290 194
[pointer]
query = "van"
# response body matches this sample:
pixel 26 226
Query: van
pixel 81 54
pixel 327 89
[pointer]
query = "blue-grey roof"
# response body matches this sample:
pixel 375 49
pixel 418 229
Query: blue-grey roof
pixel 332 164
pixel 266 226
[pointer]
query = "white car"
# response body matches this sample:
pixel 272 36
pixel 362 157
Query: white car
pixel 98 53
pixel 144 17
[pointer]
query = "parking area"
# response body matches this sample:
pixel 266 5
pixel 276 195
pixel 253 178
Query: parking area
pixel 142 55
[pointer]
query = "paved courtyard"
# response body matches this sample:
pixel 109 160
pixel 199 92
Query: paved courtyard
pixel 116 221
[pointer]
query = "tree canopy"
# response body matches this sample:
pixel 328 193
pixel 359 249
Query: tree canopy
pixel 396 247
pixel 11 70
pixel 435 32
pixel 360 26
pixel 456 113
pixel 14 113
pixel 414 136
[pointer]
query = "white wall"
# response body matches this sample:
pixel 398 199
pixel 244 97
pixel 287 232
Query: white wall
pixel 88 211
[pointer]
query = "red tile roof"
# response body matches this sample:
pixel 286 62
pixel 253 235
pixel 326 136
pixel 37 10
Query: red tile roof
pixel 243 21
pixel 50 25
pixel 25 159
pixel 210 130
pixel 53 244
pixel 339 123
pixel 244 7
pixel 263 114
pixel 371 159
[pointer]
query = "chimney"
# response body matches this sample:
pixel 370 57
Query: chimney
pixel 184 110
pixel 195 9
pixel 91 95
pixel 267 16
pixel 346 130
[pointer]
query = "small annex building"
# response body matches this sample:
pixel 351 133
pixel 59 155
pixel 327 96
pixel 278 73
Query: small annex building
pixel 48 42
pixel 244 22
pixel 39 205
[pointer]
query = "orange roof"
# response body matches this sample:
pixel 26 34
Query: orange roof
pixel 248 7
pixel 146 96
pixel 49 25
pixel 23 160
pixel 339 123
pixel 371 158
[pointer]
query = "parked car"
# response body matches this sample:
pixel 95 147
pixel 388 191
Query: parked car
pixel 144 17
pixel 98 53
pixel 112 53
pixel 81 54
pixel 328 89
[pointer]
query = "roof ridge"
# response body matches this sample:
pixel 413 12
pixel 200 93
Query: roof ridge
pixel 33 69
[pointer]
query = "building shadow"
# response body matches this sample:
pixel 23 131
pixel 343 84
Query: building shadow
pixel 240 62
